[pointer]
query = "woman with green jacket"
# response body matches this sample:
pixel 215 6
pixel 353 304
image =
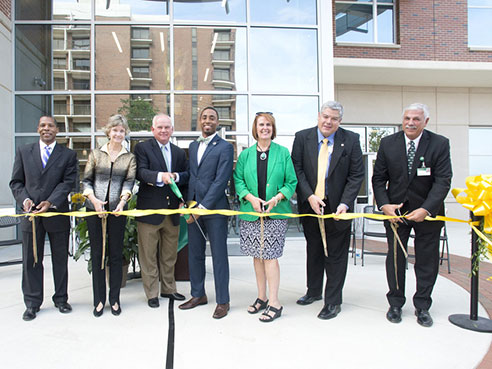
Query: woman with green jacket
pixel 265 180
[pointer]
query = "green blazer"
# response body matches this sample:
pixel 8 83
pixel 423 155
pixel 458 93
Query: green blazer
pixel 281 177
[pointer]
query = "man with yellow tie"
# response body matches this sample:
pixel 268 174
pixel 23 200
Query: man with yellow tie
pixel 330 171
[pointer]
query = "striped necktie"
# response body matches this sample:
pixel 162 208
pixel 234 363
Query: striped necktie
pixel 46 155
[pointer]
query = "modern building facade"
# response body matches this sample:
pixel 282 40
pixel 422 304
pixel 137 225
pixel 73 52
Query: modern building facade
pixel 84 60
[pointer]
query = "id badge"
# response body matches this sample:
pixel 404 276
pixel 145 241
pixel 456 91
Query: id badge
pixel 423 172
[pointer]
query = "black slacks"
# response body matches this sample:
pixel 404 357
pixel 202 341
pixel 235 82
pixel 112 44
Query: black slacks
pixel 426 262
pixel 334 266
pixel 114 245
pixel 33 274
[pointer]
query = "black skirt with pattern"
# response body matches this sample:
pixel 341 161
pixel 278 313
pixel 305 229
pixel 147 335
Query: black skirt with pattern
pixel 274 231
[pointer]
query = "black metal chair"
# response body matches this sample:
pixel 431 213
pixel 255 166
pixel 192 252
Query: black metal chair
pixel 369 209
pixel 354 241
pixel 444 247
pixel 6 222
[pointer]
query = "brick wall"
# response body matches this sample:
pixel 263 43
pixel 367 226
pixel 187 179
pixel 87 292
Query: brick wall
pixel 5 7
pixel 426 30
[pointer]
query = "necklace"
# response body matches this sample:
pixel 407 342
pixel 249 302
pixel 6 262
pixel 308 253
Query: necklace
pixel 263 154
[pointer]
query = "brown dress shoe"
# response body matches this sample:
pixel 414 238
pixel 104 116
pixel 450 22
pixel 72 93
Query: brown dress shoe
pixel 221 311
pixel 194 302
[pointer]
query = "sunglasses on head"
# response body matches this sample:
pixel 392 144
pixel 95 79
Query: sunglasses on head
pixel 264 112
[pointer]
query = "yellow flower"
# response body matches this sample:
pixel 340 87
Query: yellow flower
pixel 78 198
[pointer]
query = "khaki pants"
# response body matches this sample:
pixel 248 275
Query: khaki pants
pixel 158 248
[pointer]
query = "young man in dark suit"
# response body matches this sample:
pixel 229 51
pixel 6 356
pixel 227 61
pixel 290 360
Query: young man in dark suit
pixel 211 160
pixel 44 174
pixel 330 171
pixel 412 176
pixel 158 160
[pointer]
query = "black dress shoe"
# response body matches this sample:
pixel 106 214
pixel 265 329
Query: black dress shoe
pixel 329 311
pixel 394 314
pixel 423 317
pixel 306 299
pixel 30 313
pixel 174 296
pixel 64 307
pixel 153 302
pixel 96 313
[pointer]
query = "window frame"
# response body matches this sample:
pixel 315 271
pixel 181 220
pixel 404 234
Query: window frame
pixel 374 4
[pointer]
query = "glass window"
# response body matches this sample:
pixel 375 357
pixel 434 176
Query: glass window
pixel 122 61
pixel 222 74
pixel 140 72
pixel 292 113
pixel 62 10
pixel 80 42
pixel 59 63
pixel 232 112
pixel 140 33
pixel 72 112
pixel 214 10
pixel 365 21
pixel 33 58
pixel 480 151
pixel 479 19
pixel 283 60
pixel 283 12
pixel 80 84
pixel 210 59
pixel 81 145
pixel 140 53
pixel 221 55
pixel 28 110
pixel 132 10
pixel 59 84
pixel 81 64
pixel 370 136
pixel 138 112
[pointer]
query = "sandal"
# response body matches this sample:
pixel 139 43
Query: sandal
pixel 271 318
pixel 263 305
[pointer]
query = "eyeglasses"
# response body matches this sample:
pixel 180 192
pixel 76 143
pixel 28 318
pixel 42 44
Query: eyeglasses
pixel 264 112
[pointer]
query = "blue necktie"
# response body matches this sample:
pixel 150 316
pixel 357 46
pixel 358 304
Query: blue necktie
pixel 46 155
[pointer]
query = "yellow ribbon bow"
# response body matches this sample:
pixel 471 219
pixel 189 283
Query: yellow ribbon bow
pixel 477 198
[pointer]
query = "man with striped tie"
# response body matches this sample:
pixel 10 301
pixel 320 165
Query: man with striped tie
pixel 412 176
pixel 44 174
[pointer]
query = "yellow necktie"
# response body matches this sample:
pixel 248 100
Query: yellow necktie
pixel 322 165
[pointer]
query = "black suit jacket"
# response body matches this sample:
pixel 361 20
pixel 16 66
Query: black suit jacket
pixel 392 184
pixel 52 183
pixel 150 162
pixel 345 174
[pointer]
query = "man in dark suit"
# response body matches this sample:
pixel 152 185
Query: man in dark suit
pixel 211 160
pixel 44 173
pixel 158 160
pixel 330 171
pixel 412 176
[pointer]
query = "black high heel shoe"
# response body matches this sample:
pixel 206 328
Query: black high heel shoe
pixel 116 312
pixel 96 313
